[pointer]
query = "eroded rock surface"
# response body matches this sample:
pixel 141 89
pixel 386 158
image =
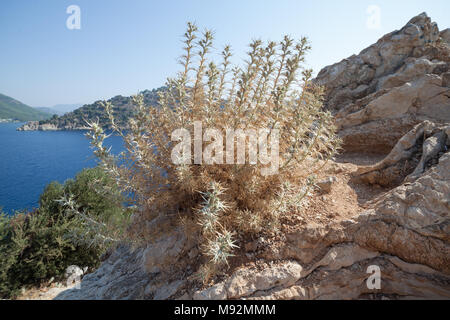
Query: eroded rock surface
pixel 415 152
pixel 398 82
pixel 121 276
pixel 157 270
pixel 406 234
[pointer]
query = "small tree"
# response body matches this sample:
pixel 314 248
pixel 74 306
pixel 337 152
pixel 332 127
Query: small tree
pixel 270 90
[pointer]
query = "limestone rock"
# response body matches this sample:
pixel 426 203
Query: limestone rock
pixel 412 155
pixel 446 79
pixel 325 185
pixel 245 282
pixel 155 271
pixel 396 83
pixel 445 35
pixel 121 276
pixel 164 251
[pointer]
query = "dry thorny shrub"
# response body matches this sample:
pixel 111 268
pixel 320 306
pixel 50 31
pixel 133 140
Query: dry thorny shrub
pixel 271 90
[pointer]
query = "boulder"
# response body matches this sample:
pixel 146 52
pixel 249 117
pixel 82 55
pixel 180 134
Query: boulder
pixel 122 276
pixel 326 184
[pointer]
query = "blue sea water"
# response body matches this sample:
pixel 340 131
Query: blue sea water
pixel 29 160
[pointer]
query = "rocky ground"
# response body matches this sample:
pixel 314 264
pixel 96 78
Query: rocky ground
pixel 46 292
pixel 401 80
pixel 384 202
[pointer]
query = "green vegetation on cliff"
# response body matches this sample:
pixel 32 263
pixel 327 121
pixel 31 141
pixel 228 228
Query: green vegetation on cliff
pixel 16 110
pixel 41 244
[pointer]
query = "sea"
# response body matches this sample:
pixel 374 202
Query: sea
pixel 29 160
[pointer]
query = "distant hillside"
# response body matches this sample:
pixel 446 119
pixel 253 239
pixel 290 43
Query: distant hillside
pixel 49 110
pixel 16 110
pixel 66 107
pixel 59 109
pixel 76 120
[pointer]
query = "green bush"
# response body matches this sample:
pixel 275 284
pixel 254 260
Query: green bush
pixel 41 244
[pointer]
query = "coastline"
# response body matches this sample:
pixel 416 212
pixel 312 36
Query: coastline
pixel 35 126
pixel 9 121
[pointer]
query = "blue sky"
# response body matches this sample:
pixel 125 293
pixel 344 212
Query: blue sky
pixel 127 46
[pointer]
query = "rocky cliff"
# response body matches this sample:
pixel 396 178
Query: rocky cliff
pixel 383 204
pixel 401 80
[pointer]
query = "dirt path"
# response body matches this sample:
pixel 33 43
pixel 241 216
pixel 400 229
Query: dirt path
pixel 346 197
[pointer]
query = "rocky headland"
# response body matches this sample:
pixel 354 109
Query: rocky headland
pixel 123 110
pixel 37 126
